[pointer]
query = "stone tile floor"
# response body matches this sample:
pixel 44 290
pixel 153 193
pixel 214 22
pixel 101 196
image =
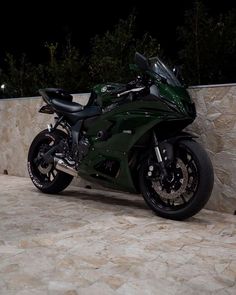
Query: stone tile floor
pixel 89 242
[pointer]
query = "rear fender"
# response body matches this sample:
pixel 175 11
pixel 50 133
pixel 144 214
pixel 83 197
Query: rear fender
pixel 46 109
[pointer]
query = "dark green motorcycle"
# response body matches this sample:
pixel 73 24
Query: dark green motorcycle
pixel 128 137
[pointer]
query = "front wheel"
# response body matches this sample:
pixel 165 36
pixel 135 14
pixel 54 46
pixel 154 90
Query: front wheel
pixel 189 185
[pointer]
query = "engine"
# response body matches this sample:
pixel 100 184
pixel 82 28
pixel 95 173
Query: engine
pixel 83 148
pixel 68 160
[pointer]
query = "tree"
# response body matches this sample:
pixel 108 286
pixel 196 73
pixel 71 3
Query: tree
pixel 63 70
pixel 207 46
pixel 19 77
pixel 111 54
pixel 227 50
pixel 113 51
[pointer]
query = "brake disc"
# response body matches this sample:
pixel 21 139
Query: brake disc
pixel 45 170
pixel 48 167
pixel 173 194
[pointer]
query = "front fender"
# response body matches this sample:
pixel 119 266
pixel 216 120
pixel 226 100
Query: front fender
pixel 167 146
pixel 180 136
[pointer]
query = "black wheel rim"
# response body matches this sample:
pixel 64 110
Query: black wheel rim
pixel 177 199
pixel 44 172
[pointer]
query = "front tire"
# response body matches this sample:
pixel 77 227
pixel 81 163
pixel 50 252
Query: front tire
pixel 44 176
pixel 191 183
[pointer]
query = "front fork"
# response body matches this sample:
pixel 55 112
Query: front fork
pixel 161 163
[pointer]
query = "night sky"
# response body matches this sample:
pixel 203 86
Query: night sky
pixel 26 27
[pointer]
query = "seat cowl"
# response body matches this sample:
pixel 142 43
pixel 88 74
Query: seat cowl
pixel 66 106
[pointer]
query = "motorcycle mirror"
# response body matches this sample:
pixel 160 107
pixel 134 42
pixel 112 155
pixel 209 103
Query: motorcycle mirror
pixel 141 61
pixel 176 71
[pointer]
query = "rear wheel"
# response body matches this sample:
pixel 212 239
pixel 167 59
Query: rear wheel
pixel 189 185
pixel 44 175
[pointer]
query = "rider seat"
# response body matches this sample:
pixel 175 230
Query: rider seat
pixel 66 106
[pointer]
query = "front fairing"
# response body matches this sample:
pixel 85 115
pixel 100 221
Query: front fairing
pixel 178 99
pixel 170 88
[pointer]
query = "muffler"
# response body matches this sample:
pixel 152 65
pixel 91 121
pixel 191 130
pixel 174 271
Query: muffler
pixel 62 166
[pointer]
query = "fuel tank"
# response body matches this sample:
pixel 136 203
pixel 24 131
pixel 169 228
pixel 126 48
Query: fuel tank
pixel 107 94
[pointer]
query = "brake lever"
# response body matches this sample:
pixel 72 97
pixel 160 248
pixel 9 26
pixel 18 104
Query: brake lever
pixel 131 90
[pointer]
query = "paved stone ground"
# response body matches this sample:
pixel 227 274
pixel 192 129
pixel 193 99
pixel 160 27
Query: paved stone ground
pixel 86 242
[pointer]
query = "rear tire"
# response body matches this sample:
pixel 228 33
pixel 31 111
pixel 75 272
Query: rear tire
pixel 44 176
pixel 202 180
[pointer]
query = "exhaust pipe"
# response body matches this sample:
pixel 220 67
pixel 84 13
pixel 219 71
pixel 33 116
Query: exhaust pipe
pixel 62 166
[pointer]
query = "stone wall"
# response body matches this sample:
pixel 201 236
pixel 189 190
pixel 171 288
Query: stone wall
pixel 215 125
pixel 20 122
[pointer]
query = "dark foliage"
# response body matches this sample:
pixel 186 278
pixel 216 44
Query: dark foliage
pixel 208 46
pixel 207 55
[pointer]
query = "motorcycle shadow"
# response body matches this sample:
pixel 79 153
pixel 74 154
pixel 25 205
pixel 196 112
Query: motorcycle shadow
pixel 104 198
pixel 117 201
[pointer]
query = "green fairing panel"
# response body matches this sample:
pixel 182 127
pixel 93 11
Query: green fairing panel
pixel 124 122
pixel 174 92
pixel 175 95
pixel 137 117
pixel 122 181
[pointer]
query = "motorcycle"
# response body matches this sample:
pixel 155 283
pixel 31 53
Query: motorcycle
pixel 129 137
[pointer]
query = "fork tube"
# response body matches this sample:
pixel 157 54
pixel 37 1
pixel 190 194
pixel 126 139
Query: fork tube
pixel 159 157
pixel 156 148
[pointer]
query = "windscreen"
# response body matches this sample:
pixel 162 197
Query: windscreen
pixel 162 70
